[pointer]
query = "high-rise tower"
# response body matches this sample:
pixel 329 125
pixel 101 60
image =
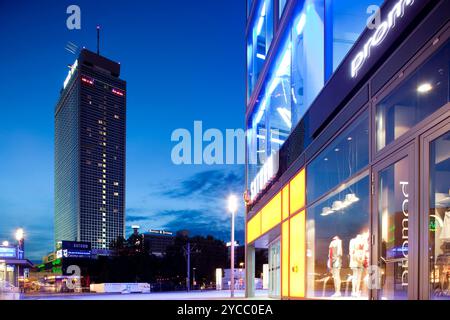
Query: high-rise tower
pixel 90 130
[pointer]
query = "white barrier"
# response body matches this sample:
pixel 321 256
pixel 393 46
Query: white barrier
pixel 120 288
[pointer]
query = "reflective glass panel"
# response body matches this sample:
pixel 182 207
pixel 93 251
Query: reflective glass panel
pixel 337 232
pixel 422 93
pixel 439 211
pixel 345 156
pixel 307 36
pixel 281 6
pixel 393 215
pixel 348 19
pixel 258 43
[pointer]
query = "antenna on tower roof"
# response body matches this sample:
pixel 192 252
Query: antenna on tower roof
pixel 98 40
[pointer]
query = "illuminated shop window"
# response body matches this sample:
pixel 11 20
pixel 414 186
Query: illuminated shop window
pixel 344 157
pixel 292 84
pixel 337 240
pixel 308 57
pixel 249 6
pixel 421 94
pixel 270 124
pixel 439 215
pixel 258 43
pixel 256 144
pixel 281 6
pixel 277 100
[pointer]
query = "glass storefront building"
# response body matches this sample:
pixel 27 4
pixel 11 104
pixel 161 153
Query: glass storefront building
pixel 348 148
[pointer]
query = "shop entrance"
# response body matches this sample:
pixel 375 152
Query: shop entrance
pixel 275 269
pixel 411 220
pixel 395 218
pixel 435 214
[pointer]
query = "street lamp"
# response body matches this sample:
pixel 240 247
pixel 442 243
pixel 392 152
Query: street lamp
pixel 232 207
pixel 20 235
pixel 194 282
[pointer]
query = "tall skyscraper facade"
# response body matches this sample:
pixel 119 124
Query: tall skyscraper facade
pixel 90 131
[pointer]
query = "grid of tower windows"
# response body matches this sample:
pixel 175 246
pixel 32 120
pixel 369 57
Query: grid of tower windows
pixel 67 164
pixel 102 161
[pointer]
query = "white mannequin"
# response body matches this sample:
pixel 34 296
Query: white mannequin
pixel 335 263
pixel 357 249
pixel 445 231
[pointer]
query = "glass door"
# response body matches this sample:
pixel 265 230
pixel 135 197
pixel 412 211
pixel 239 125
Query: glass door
pixel 395 227
pixel 274 269
pixel 435 281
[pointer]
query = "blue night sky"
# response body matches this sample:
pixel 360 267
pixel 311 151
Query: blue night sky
pixel 183 61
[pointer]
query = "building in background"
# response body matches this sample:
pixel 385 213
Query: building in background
pixel 90 128
pixel 157 241
pixel 348 139
pixel 14 269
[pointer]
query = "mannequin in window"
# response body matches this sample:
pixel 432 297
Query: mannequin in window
pixel 334 263
pixel 445 231
pixel 443 259
pixel 358 249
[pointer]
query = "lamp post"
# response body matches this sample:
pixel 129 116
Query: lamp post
pixel 20 236
pixel 232 207
pixel 193 280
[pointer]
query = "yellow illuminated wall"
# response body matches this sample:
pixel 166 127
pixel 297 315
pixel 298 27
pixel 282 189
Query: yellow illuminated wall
pixel 297 256
pixel 297 192
pixel 285 259
pixel 285 206
pixel 271 214
pixel 254 228
pixel 285 202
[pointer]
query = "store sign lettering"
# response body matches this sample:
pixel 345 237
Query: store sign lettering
pixel 405 220
pixel 264 176
pixel 71 72
pixel 379 35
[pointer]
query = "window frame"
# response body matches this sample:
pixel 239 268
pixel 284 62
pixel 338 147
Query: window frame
pixel 431 47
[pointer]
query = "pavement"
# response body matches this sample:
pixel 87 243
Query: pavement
pixel 179 295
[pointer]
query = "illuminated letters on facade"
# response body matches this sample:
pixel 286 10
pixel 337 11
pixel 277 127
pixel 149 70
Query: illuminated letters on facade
pixel 380 34
pixel 264 176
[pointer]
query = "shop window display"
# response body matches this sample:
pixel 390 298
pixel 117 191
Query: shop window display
pixel 439 213
pixel 338 242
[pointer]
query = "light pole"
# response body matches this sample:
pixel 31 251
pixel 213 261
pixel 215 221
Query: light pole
pixel 20 235
pixel 232 207
pixel 193 278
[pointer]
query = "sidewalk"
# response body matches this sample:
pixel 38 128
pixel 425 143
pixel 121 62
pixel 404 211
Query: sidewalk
pixel 181 295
